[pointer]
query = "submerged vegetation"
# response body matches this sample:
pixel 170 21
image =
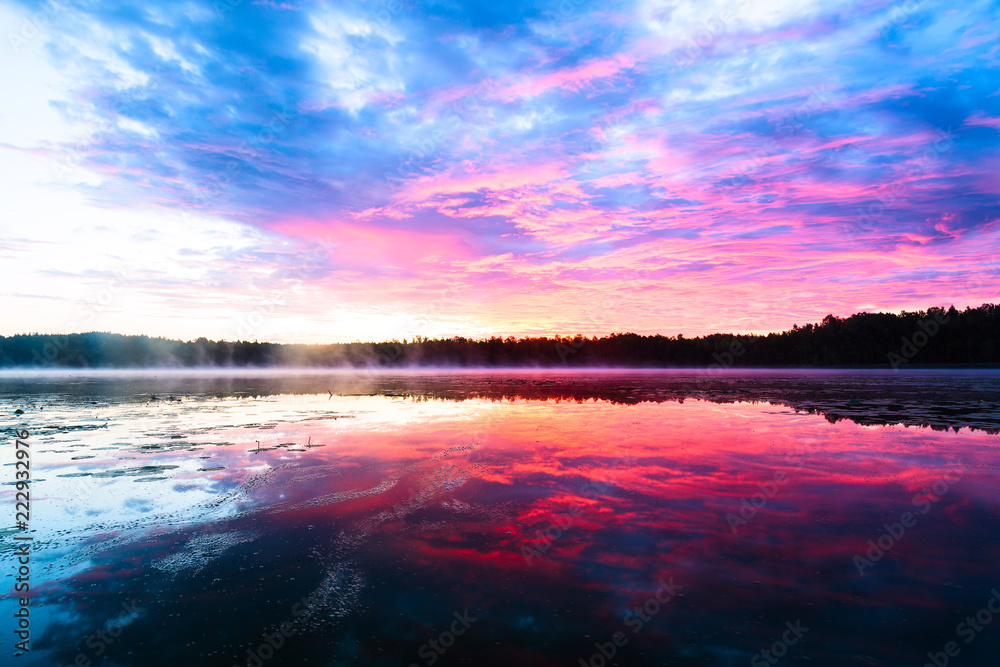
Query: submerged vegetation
pixel 923 338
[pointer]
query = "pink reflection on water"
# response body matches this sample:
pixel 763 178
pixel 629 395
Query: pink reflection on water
pixel 751 506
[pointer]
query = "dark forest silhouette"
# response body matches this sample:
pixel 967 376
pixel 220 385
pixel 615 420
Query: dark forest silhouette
pixel 935 337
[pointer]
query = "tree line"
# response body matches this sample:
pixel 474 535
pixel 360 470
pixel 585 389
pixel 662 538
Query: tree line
pixel 934 337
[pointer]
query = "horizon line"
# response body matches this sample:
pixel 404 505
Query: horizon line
pixel 556 337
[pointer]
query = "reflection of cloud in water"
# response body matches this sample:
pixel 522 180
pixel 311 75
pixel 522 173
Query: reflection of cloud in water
pixel 139 504
pixel 407 513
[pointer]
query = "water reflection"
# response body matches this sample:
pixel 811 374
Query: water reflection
pixel 938 399
pixel 600 520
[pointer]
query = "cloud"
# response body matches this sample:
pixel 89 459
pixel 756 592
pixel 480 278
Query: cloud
pixel 794 137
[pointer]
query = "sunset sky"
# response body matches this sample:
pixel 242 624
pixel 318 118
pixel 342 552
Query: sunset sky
pixel 322 172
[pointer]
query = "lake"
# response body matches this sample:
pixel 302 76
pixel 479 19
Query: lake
pixel 504 518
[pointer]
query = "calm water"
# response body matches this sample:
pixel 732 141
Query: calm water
pixel 507 519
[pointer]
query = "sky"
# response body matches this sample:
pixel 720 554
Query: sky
pixel 339 171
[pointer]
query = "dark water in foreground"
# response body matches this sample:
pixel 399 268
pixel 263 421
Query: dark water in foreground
pixel 507 519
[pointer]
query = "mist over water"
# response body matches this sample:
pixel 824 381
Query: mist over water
pixel 701 516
